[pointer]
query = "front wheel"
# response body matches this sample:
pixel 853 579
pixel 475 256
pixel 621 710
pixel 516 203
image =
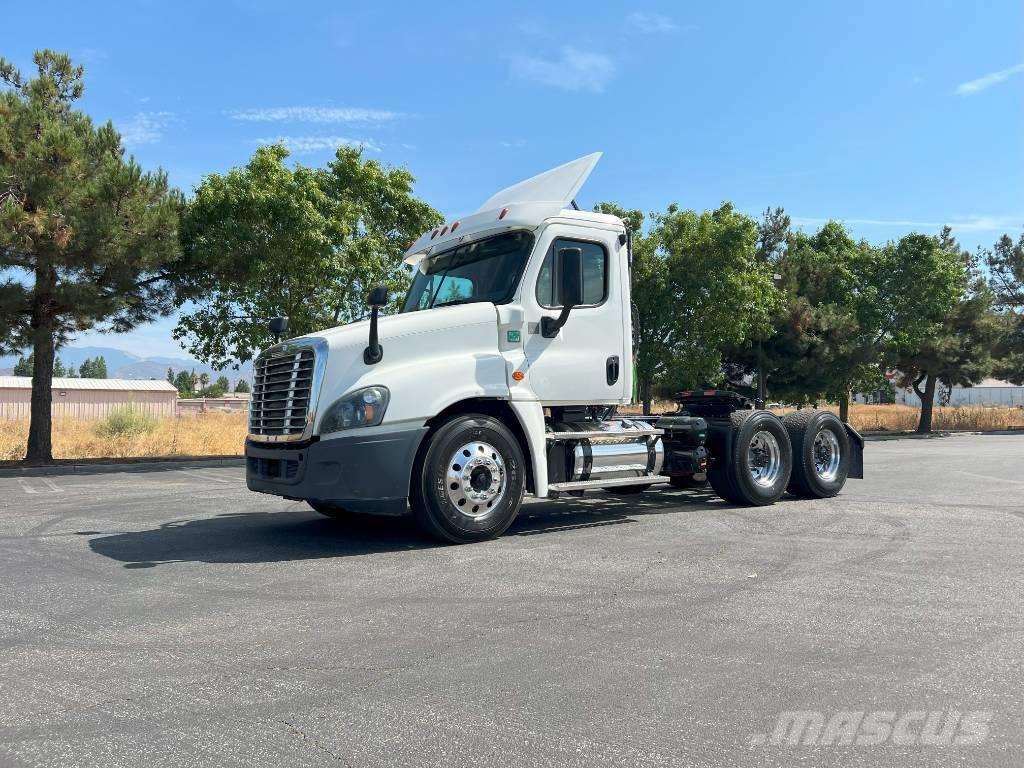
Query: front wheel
pixel 754 470
pixel 469 479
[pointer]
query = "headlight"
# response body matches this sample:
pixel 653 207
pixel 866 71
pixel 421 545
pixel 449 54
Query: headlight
pixel 362 408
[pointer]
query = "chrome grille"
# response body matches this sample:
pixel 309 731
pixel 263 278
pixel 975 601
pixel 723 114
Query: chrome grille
pixel 283 393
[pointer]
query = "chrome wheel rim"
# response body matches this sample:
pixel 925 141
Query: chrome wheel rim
pixel 827 455
pixel 475 479
pixel 764 459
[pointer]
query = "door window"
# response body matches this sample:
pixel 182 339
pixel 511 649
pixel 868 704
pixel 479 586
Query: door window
pixel 595 274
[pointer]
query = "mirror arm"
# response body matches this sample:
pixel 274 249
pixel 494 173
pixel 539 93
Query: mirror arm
pixel 374 352
pixel 549 326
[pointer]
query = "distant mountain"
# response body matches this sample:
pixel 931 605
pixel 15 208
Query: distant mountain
pixel 125 365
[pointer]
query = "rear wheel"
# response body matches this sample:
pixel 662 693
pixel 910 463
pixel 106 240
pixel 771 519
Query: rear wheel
pixel 469 479
pixel 821 453
pixel 756 468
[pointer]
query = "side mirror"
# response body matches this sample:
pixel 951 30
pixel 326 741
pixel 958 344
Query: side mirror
pixel 374 352
pixel 277 326
pixel 568 270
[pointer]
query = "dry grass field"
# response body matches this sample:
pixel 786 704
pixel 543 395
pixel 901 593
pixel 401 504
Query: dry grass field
pixel 223 434
pixel 903 418
pixel 211 434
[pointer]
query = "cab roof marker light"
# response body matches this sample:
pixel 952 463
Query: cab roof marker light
pixel 434 234
pixel 503 214
pixel 444 231
pixel 455 226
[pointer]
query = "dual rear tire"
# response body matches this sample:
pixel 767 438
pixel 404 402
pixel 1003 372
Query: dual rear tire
pixel 806 453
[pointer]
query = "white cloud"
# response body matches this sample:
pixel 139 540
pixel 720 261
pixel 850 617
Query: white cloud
pixel 316 115
pixel 975 223
pixel 575 70
pixel 994 78
pixel 302 144
pixel 145 128
pixel 651 22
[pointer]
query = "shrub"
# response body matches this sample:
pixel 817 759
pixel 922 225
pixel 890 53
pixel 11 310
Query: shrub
pixel 128 421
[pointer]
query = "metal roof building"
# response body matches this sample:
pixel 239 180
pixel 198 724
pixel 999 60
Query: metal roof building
pixel 89 398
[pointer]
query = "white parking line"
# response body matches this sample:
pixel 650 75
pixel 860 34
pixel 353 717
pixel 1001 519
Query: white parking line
pixel 210 476
pixel 51 487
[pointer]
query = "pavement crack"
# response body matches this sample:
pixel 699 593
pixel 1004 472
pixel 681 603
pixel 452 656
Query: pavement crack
pixel 292 728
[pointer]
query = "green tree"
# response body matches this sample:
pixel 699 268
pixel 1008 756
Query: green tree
pixel 170 376
pixel 183 382
pixel 204 381
pixel 59 370
pixel 24 366
pixel 1006 267
pixel 223 383
pixel 241 386
pixel 337 231
pixel 86 237
pixel 718 292
pixel 85 370
pixel 99 368
pixel 957 352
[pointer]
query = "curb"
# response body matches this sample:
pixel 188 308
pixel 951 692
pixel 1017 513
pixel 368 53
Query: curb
pixel 99 467
pixel 938 434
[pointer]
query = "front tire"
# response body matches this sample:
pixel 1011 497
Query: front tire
pixel 469 479
pixel 755 469
pixel 821 453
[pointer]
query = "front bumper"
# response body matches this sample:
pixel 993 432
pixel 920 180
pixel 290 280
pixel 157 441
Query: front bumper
pixel 360 473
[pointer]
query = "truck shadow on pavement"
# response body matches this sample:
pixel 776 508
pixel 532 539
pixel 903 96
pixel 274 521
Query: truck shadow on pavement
pixel 263 537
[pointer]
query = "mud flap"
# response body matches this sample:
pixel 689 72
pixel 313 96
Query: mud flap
pixel 857 451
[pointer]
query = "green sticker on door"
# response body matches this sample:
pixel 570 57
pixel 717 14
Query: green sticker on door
pixel 513 337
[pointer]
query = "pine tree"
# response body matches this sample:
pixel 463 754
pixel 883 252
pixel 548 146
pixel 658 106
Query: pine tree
pixel 24 366
pixel 93 234
pixel 223 383
pixel 241 386
pixel 58 368
pixel 86 368
pixel 170 376
pixel 99 368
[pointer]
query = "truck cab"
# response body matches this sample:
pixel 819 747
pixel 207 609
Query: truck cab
pixel 499 376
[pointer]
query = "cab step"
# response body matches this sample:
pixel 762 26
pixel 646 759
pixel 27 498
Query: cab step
pixel 583 485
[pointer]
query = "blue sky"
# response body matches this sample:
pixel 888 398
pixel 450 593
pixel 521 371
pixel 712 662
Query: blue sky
pixel 890 116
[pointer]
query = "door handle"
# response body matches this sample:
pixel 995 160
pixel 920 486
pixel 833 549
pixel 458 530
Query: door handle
pixel 612 369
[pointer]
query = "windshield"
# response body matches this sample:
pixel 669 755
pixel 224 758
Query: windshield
pixel 487 270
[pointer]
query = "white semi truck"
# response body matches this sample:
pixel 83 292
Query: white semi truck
pixel 501 377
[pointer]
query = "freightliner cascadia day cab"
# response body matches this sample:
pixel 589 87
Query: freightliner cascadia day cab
pixel 501 376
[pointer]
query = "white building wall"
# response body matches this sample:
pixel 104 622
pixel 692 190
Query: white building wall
pixel 88 404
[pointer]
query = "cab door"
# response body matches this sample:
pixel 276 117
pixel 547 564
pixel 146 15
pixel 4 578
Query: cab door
pixel 585 362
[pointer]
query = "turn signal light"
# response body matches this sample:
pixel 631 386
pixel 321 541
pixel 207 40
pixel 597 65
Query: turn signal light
pixel 518 375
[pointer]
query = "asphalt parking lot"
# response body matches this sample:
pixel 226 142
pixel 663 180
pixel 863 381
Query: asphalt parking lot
pixel 173 618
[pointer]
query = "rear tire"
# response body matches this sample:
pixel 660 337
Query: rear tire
pixel 468 480
pixel 756 470
pixel 821 454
